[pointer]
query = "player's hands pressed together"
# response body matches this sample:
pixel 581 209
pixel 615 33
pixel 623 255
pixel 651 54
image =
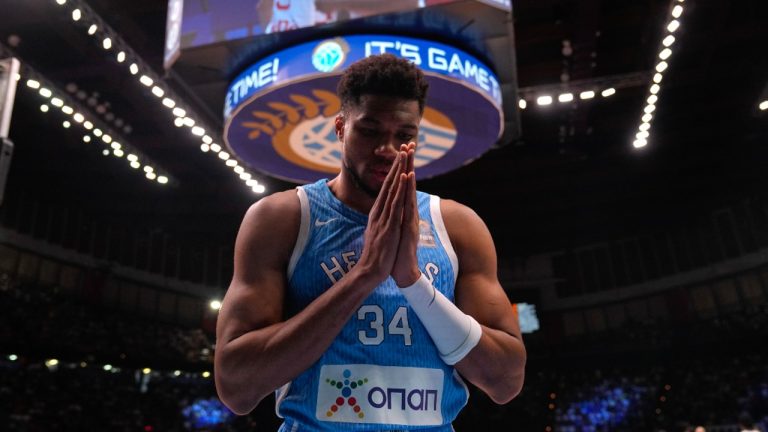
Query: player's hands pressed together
pixel 392 233
pixel 406 268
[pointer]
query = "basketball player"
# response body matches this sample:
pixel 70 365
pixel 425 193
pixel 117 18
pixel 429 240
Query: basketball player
pixel 363 302
pixel 283 15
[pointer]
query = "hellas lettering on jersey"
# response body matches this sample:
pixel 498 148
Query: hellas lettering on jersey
pixel 336 266
pixel 361 393
pixel 336 269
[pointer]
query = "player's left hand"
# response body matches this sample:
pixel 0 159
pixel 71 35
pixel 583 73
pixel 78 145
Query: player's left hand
pixel 406 271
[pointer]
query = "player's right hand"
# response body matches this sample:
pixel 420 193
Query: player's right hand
pixel 382 235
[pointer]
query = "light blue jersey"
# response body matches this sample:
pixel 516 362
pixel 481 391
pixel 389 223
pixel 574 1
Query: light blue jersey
pixel 382 372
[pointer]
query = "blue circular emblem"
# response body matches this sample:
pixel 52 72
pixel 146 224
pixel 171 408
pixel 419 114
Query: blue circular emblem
pixel 328 56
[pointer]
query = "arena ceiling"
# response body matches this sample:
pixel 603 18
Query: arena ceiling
pixel 573 177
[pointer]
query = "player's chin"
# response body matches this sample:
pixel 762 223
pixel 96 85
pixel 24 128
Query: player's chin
pixel 374 184
pixel 377 179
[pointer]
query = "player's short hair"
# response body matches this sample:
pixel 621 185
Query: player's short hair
pixel 382 74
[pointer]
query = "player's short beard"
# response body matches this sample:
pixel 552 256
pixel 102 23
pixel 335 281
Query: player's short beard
pixel 358 182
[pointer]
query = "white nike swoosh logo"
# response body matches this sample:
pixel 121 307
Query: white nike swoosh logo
pixel 319 223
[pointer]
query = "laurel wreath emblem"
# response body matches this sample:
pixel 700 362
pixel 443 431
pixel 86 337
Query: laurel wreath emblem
pixel 284 114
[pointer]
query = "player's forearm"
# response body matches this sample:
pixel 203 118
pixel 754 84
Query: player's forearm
pixel 252 365
pixel 496 365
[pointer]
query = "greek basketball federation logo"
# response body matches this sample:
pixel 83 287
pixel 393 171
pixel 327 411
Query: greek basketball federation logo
pixel 329 55
pixel 302 131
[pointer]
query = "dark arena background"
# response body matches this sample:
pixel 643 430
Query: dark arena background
pixel 626 188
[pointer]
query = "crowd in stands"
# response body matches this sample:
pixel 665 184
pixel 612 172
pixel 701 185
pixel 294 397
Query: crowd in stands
pixel 639 378
pixel 44 321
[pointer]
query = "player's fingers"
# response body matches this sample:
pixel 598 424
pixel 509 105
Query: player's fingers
pixel 411 156
pixel 410 209
pixel 398 203
pixel 399 168
pixel 380 203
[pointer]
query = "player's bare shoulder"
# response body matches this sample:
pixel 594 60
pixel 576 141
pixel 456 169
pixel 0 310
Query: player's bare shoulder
pixel 457 216
pixel 272 224
pixel 467 231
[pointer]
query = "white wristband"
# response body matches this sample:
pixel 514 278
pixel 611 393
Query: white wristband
pixel 453 332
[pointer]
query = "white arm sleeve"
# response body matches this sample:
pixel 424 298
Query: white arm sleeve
pixel 453 332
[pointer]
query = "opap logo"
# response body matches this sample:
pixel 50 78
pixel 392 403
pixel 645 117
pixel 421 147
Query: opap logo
pixel 362 393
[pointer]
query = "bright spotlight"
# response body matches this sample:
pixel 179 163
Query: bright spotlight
pixel 673 25
pixel 215 305
pixel 608 92
pixel 544 100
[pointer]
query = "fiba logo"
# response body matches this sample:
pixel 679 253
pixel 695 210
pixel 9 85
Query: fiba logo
pixel 329 55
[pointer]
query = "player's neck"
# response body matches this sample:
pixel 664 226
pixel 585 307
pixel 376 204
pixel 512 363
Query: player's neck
pixel 344 189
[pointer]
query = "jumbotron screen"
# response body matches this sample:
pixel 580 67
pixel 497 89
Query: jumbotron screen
pixel 205 22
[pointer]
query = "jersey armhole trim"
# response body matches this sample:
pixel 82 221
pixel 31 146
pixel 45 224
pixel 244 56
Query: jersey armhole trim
pixel 442 234
pixel 301 239
pixel 280 395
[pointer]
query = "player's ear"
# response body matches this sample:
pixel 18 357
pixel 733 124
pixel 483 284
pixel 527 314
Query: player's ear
pixel 339 123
